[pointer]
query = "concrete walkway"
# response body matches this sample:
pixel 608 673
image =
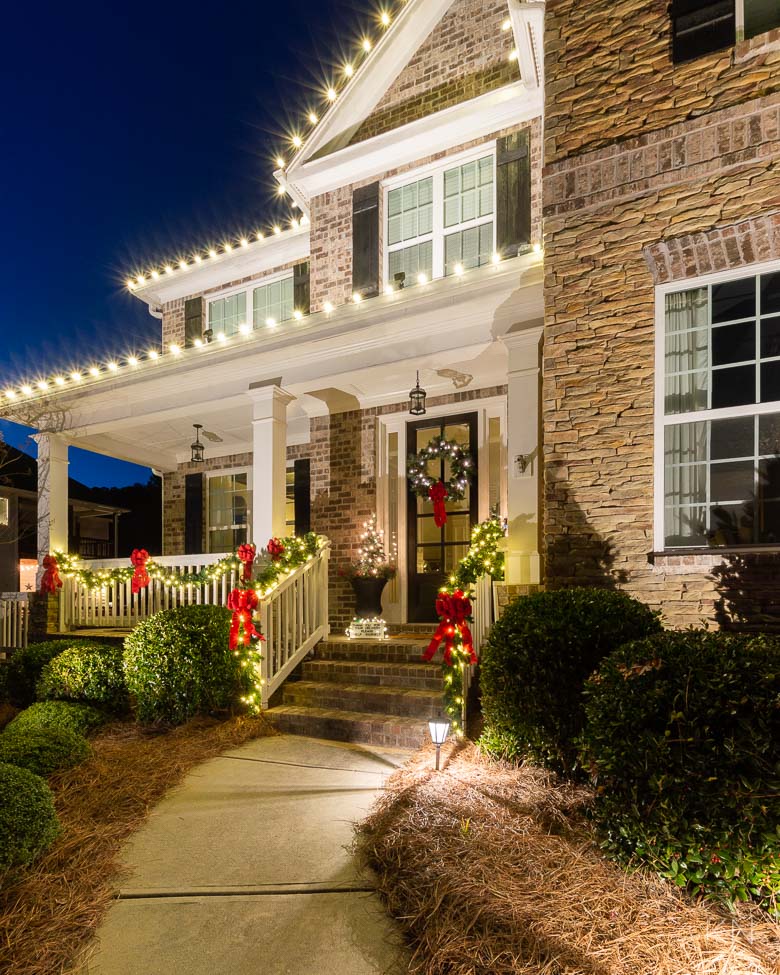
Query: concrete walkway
pixel 246 868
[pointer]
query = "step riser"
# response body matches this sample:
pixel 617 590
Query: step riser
pixel 341 729
pixel 383 675
pixel 387 653
pixel 343 699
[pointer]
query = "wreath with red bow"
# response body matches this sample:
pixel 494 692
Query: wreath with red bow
pixel 433 488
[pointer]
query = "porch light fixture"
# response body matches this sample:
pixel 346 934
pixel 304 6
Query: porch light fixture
pixel 197 448
pixel 439 731
pixel 417 398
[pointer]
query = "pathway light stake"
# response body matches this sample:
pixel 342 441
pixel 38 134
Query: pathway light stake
pixel 197 448
pixel 439 731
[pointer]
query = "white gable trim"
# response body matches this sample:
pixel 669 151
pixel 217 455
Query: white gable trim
pixel 528 29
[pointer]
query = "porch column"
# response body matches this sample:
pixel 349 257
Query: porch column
pixel 524 455
pixel 52 493
pixel 269 462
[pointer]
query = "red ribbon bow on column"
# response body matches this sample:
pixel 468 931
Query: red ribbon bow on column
pixel 438 494
pixel 454 610
pixel 139 558
pixel 275 549
pixel 50 580
pixel 242 603
pixel 246 555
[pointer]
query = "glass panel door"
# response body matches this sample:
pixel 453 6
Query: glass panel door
pixel 435 552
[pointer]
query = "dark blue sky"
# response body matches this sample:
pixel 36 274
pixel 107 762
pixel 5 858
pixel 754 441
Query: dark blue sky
pixel 130 133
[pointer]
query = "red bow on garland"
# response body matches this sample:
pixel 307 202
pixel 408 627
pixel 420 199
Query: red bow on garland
pixel 246 555
pixel 454 610
pixel 50 581
pixel 139 558
pixel 275 549
pixel 438 494
pixel 242 603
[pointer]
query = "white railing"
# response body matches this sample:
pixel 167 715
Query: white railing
pixel 482 618
pixel 115 605
pixel 293 619
pixel 14 621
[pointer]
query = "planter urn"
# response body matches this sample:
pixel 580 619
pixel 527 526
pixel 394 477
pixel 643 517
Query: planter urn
pixel 368 596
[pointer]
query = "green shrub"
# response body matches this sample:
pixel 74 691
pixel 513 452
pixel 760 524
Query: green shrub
pixel 28 822
pixel 536 659
pixel 78 718
pixel 3 682
pixel 42 750
pixel 178 664
pixel 682 742
pixel 25 667
pixel 93 673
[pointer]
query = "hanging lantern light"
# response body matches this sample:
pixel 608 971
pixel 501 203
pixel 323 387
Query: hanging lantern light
pixel 417 398
pixel 197 448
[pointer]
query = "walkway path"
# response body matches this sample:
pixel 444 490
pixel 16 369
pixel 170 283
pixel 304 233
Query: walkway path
pixel 246 869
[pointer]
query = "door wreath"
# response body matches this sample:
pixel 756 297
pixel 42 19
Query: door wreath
pixel 433 488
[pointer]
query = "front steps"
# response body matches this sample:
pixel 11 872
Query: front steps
pixel 375 691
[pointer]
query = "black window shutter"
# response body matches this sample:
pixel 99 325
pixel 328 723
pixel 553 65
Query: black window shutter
pixel 193 514
pixel 700 27
pixel 365 240
pixel 301 290
pixel 193 320
pixel 513 193
pixel 302 496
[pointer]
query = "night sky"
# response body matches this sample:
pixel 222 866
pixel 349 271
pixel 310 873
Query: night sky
pixel 130 134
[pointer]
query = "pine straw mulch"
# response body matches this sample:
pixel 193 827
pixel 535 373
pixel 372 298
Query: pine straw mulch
pixel 50 911
pixel 492 870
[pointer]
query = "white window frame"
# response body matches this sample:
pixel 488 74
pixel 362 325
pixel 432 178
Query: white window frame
pixel 224 472
pixel 248 290
pixel 437 171
pixel 739 21
pixel 661 420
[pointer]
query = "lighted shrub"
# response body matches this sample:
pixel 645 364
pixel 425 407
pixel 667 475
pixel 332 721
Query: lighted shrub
pixel 61 715
pixel 682 743
pixel 28 822
pixel 535 661
pixel 92 673
pixel 25 666
pixel 42 750
pixel 178 664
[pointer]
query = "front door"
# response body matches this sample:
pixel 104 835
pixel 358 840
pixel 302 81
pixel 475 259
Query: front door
pixel 433 553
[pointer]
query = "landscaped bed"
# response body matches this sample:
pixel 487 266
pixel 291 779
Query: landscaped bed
pixel 493 869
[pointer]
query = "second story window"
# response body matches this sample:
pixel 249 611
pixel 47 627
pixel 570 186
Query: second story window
pixel 703 26
pixel 226 314
pixel 258 305
pixel 273 303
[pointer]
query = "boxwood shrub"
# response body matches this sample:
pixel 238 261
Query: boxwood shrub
pixel 78 718
pixel 682 743
pixel 26 665
pixel 178 664
pixel 28 822
pixel 92 673
pixel 42 750
pixel 535 661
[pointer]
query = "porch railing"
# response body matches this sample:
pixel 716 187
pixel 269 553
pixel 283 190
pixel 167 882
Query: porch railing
pixel 483 617
pixel 14 622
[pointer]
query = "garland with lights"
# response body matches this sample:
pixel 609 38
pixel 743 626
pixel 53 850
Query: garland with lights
pixel 433 488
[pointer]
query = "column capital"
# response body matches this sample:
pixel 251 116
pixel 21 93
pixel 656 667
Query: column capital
pixel 525 337
pixel 269 401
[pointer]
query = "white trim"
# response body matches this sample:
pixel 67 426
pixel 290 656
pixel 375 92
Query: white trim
pixel 249 290
pixel 224 472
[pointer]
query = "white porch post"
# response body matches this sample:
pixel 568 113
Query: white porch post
pixel 269 462
pixel 52 493
pixel 524 455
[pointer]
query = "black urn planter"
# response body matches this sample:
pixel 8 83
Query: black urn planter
pixel 368 596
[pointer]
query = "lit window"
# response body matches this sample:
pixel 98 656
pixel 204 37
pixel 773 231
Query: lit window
pixel 226 314
pixel 229 510
pixel 273 301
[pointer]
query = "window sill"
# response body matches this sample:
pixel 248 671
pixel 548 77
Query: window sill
pixel 760 44
pixel 689 560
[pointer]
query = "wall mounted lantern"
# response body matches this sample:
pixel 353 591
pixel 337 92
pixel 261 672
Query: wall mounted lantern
pixel 417 399
pixel 197 448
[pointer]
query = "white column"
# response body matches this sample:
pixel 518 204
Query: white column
pixel 269 462
pixel 52 493
pixel 524 455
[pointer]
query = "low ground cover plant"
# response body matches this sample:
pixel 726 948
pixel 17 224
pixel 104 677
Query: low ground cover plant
pixel 681 741
pixel 78 718
pixel 42 750
pixel 536 660
pixel 91 673
pixel 28 822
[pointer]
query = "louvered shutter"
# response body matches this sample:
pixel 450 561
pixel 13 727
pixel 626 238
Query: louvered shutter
pixel 700 28
pixel 365 240
pixel 193 320
pixel 513 193
pixel 193 514
pixel 301 289
pixel 302 489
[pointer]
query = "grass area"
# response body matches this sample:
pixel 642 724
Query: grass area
pixel 492 869
pixel 50 911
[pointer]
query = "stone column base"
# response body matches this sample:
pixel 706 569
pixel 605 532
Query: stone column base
pixel 507 593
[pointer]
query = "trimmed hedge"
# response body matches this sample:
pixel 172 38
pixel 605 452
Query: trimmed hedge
pixel 178 664
pixel 682 742
pixel 25 666
pixel 93 673
pixel 535 661
pixel 43 750
pixel 28 822
pixel 60 715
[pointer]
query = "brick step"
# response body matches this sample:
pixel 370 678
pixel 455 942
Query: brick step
pixel 363 697
pixel 356 726
pixel 421 677
pixel 381 651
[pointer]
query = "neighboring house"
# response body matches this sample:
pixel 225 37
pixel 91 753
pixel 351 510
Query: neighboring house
pixel 92 528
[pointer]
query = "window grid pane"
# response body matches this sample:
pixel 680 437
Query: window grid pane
pixel 226 314
pixel 468 192
pixel 410 211
pixel 272 302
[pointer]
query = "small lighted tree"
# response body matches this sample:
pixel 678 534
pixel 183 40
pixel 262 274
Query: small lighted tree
pixel 372 561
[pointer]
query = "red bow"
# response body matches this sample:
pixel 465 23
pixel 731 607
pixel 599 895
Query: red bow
pixel 246 555
pixel 454 610
pixel 242 603
pixel 139 558
pixel 50 581
pixel 275 549
pixel 438 494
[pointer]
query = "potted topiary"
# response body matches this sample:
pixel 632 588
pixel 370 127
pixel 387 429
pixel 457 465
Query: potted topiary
pixel 370 571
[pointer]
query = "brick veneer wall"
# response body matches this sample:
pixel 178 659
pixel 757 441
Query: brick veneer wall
pixel 697 190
